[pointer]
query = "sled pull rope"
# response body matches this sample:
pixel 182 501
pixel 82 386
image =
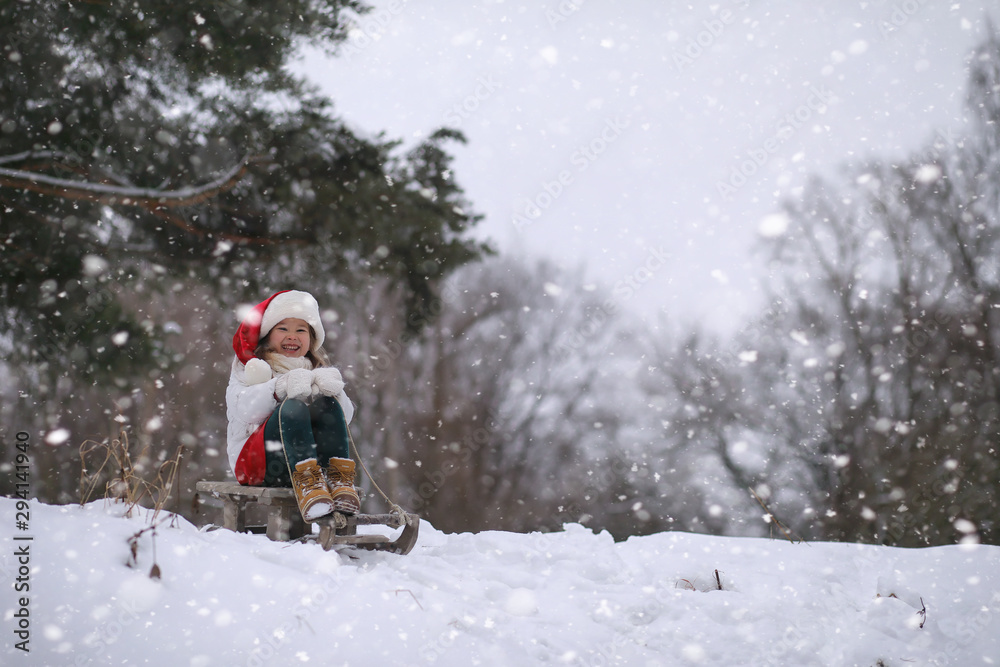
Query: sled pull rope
pixel 393 507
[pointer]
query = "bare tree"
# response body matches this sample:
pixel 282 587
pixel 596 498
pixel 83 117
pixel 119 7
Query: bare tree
pixel 514 407
pixel 891 281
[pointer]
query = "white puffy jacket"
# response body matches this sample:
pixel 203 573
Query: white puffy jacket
pixel 249 405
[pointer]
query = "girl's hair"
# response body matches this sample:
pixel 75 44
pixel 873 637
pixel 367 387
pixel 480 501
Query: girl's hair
pixel 317 357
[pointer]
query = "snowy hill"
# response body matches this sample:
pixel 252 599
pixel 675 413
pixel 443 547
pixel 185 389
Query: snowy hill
pixel 492 598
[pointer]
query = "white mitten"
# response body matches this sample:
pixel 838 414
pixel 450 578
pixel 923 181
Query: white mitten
pixel 257 371
pixel 296 383
pixel 327 381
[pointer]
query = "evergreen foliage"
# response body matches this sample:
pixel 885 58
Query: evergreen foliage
pixel 159 140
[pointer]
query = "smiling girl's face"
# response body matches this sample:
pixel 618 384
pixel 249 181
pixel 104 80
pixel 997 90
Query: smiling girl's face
pixel 290 337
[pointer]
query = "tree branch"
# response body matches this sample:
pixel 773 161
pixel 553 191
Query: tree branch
pixel 101 193
pixel 155 201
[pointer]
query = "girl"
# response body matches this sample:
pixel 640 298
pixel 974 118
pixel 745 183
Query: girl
pixel 287 410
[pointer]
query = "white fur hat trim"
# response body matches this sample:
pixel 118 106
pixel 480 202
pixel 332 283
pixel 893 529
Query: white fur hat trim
pixel 300 305
pixel 257 371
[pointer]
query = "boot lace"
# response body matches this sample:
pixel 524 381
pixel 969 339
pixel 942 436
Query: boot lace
pixel 309 479
pixel 338 477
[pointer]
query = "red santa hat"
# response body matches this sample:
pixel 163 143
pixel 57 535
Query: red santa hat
pixel 261 319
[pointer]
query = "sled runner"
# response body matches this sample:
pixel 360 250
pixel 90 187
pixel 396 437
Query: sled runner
pixel 342 529
pixel 284 521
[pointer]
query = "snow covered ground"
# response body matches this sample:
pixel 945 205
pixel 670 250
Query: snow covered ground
pixel 491 598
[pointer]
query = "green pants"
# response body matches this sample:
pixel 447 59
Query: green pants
pixel 297 431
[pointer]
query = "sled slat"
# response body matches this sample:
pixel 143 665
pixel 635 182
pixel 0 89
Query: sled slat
pixel 358 539
pixel 284 522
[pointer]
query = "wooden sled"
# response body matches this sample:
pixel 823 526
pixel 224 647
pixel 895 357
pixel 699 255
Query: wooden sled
pixel 285 523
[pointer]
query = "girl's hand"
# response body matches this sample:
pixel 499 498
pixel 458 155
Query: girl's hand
pixel 327 381
pixel 296 383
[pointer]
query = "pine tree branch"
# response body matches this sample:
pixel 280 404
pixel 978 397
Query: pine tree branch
pixel 176 220
pixel 43 159
pixel 36 155
pixel 102 193
pixel 155 201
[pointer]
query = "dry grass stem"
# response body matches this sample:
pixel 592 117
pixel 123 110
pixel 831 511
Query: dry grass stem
pixel 126 483
pixel 789 535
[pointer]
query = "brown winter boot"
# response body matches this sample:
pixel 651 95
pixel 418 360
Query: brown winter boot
pixel 340 478
pixel 311 491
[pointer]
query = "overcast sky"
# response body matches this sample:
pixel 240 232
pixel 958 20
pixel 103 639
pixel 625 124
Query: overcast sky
pixel 650 140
